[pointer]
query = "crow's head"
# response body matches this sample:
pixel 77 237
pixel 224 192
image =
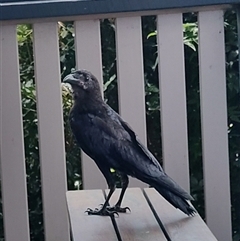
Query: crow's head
pixel 83 83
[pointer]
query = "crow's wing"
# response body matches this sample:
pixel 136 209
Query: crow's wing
pixel 124 152
pixel 134 140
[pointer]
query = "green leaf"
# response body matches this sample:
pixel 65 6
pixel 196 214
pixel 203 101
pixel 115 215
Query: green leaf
pixel 109 82
pixel 152 34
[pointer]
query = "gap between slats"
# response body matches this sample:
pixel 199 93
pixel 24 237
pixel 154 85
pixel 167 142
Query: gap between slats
pixel 151 218
pixel 157 218
pixel 177 224
pixel 174 224
pixel 85 227
pixel 113 220
pixel 140 224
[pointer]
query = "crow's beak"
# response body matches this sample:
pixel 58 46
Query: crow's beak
pixel 71 80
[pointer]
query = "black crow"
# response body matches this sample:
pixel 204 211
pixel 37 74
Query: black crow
pixel 111 143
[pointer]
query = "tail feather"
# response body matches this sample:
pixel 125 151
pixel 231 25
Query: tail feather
pixel 176 201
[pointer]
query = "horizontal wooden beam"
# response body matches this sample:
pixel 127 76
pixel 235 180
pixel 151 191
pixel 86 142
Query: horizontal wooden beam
pixel 19 9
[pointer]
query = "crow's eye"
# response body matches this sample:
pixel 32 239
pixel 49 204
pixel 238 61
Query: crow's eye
pixel 83 76
pixel 75 76
pixel 87 78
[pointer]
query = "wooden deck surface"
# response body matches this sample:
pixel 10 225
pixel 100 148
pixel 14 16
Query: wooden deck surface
pixel 151 218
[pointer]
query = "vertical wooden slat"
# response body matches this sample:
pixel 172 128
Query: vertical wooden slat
pixel 131 77
pixel 214 123
pixel 88 56
pixel 173 97
pixel 13 172
pixel 51 138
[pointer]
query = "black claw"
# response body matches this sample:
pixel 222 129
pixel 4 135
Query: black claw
pixel 127 208
pixel 88 210
pixel 101 212
pixel 118 209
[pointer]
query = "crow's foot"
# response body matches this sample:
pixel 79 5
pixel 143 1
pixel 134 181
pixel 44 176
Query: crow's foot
pixel 101 212
pixel 118 209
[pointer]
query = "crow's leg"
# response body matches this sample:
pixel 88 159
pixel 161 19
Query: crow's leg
pixel 117 207
pixel 103 211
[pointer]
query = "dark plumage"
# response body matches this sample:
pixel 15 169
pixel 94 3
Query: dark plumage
pixel 111 143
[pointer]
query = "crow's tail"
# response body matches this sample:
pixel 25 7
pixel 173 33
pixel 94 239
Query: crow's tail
pixel 176 201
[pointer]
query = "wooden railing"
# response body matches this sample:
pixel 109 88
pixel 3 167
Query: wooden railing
pixel 132 108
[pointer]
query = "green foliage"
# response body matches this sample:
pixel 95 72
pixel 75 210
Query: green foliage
pixel 233 95
pixel 66 47
pixel 30 127
pixel 109 62
pixel 190 40
pixel 190 30
pixel 190 37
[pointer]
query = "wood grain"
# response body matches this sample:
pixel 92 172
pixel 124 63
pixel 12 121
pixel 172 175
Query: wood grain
pixel 12 158
pixel 130 77
pixel 50 130
pixel 173 97
pixel 214 126
pixel 89 56
pixel 140 224
pixel 177 224
pixel 85 227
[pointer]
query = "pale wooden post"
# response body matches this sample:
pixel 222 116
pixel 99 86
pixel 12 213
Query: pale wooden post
pixel 214 123
pixel 12 158
pixel 50 126
pixel 131 77
pixel 88 56
pixel 173 97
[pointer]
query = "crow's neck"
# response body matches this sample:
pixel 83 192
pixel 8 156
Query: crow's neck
pixel 88 104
